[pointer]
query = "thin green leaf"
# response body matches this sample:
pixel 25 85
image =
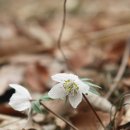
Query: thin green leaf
pixel 94 91
pixel 45 97
pixel 37 107
pixel 91 84
pixel 85 79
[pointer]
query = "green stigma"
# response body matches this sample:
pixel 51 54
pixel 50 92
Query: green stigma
pixel 71 87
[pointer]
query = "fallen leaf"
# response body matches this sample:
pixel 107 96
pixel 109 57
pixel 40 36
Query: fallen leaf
pixel 87 56
pixel 37 76
pixel 88 121
pixel 101 103
pixel 10 74
pixel 15 123
pixel 114 52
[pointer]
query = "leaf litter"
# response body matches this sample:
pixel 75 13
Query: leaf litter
pixel 93 42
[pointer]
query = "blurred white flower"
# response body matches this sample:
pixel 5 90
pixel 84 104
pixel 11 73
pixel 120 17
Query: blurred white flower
pixel 21 99
pixel 69 85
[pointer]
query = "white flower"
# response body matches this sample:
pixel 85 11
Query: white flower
pixel 69 85
pixel 20 100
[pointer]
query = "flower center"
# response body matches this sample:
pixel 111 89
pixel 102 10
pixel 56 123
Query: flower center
pixel 71 87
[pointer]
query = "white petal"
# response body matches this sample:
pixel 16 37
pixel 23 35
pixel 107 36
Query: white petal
pixel 83 88
pixel 20 106
pixel 75 100
pixel 21 90
pixel 72 77
pixel 61 77
pixel 57 92
pixel 19 102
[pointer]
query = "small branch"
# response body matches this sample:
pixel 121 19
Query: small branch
pixel 68 65
pixel 120 71
pixel 87 101
pixel 61 32
pixel 60 117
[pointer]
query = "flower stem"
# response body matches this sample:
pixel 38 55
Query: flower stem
pixel 60 117
pixel 85 98
pixel 61 33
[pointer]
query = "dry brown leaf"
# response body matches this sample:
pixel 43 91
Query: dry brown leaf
pixel 36 76
pixel 84 56
pixel 14 123
pixel 114 52
pixel 88 121
pixel 30 59
pixel 99 103
pixel 59 106
pixel 10 74
pixel 37 32
pixel 19 45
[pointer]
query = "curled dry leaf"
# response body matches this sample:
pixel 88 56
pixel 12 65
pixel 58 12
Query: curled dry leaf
pixel 101 103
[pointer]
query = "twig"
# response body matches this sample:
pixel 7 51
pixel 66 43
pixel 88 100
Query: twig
pixel 61 32
pixel 68 65
pixel 60 117
pixel 120 71
pixel 85 98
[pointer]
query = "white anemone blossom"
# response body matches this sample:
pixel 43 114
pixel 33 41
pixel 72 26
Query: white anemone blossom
pixel 21 99
pixel 70 86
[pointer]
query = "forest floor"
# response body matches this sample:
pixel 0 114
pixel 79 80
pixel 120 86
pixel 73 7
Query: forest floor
pixel 96 45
